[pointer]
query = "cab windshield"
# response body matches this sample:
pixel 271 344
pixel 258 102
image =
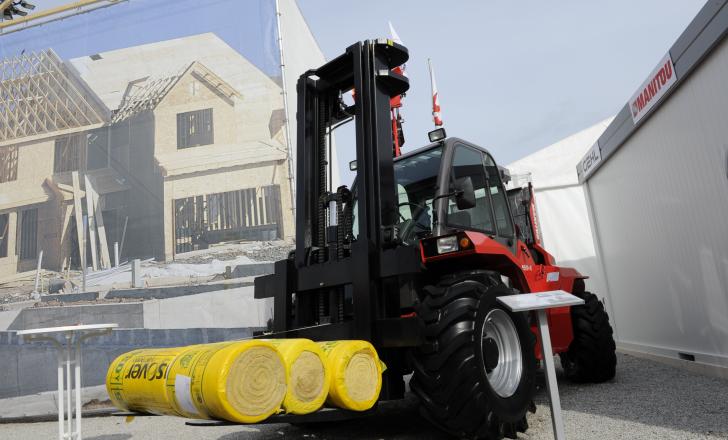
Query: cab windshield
pixel 416 179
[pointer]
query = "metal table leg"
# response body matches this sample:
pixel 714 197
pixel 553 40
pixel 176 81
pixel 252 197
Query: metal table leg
pixel 551 385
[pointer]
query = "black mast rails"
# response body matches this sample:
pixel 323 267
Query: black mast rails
pixel 343 280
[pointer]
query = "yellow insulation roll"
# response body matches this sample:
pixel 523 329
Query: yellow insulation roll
pixel 241 381
pixel 308 377
pixel 135 380
pixel 356 374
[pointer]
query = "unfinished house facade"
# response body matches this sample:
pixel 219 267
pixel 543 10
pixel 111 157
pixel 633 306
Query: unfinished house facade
pixel 181 146
pixel 51 126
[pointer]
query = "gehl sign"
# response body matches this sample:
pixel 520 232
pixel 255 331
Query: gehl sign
pixel 588 162
pixel 662 78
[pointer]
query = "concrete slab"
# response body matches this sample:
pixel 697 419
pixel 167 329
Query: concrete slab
pixel 173 291
pixel 44 404
pixel 70 297
pixel 227 309
pixel 127 315
pixel 256 269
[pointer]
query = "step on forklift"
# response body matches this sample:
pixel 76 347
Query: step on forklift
pixel 413 256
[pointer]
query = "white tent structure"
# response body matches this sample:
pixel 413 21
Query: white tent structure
pixel 561 203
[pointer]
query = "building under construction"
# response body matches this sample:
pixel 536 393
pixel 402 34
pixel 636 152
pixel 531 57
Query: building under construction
pixel 162 148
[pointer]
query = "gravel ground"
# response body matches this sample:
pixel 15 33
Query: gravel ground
pixel 647 400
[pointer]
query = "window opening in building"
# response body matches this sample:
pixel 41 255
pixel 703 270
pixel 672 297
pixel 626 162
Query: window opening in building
pixel 28 234
pixel 194 128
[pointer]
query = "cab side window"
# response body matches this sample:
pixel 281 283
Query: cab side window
pixel 468 162
pixel 500 199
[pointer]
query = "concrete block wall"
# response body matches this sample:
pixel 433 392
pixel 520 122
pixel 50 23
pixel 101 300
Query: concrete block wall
pixel 181 307
pixel 30 367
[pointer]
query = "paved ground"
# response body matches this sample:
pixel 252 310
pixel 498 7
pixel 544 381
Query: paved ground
pixel 647 401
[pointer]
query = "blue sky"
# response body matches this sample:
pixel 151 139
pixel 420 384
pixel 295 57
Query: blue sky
pixel 513 76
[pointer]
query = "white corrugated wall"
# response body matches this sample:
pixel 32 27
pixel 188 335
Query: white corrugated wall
pixel 660 208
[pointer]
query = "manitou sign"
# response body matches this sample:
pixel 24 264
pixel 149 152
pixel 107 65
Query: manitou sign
pixel 653 89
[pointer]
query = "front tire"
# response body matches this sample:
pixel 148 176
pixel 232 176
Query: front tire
pixel 475 374
pixel 591 356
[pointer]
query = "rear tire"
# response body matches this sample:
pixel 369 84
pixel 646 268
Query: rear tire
pixel 475 378
pixel 591 356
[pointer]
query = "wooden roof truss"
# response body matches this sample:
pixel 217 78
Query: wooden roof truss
pixel 39 95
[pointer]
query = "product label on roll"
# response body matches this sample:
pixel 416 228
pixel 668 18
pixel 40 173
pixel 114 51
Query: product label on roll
pixel 136 380
pixel 327 346
pixel 183 395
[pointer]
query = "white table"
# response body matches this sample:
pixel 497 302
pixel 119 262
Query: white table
pixel 68 355
pixel 539 302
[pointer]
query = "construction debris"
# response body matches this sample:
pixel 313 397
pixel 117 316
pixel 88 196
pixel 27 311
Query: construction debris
pixel 241 259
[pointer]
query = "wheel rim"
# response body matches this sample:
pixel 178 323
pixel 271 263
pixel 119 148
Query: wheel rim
pixel 502 357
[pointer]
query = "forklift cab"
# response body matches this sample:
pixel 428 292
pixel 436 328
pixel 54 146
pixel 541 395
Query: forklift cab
pixel 450 185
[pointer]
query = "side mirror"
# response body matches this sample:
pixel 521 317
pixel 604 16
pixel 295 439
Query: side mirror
pixel 352 165
pixel 465 195
pixel 505 175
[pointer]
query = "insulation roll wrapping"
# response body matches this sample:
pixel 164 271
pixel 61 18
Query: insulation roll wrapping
pixel 356 374
pixel 135 380
pixel 241 381
pixel 308 377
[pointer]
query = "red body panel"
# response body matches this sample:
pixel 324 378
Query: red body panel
pixel 527 276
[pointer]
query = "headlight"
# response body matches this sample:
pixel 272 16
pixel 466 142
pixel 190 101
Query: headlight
pixel 447 244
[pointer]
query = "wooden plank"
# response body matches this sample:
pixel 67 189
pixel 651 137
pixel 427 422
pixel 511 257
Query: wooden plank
pixel 123 236
pixel 278 209
pixel 78 213
pixel 67 188
pixel 229 220
pixel 254 200
pixel 238 210
pixel 91 223
pixel 246 206
pixel 268 199
pixel 261 206
pixel 100 228
pixel 65 229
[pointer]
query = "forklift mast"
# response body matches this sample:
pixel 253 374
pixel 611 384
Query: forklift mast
pixel 367 68
pixel 337 285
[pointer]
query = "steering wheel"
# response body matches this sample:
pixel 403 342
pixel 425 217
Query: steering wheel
pixel 419 209
pixel 416 205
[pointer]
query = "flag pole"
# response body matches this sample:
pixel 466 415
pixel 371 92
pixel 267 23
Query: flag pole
pixel 284 94
pixel 396 102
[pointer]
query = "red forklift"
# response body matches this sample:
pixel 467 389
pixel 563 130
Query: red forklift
pixel 413 256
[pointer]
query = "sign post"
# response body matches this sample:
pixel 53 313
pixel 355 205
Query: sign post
pixel 539 302
pixel 68 356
